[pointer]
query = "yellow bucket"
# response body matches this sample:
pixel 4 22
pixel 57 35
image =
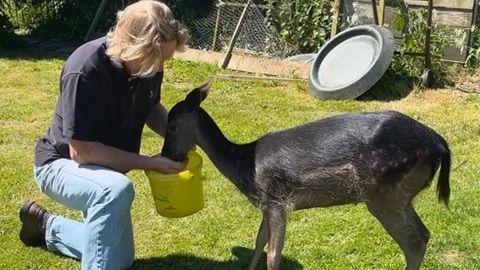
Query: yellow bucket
pixel 180 194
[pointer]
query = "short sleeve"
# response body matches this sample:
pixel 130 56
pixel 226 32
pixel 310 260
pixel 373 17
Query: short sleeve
pixel 158 88
pixel 81 108
pixel 157 97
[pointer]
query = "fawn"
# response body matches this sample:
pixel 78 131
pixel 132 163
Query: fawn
pixel 383 159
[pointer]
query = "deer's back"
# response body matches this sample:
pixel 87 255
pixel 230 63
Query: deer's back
pixel 348 154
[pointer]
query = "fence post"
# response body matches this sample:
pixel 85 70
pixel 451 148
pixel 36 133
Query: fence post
pixel 95 20
pixel 217 23
pixel 228 56
pixel 337 6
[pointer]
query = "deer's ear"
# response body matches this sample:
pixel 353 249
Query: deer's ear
pixel 199 94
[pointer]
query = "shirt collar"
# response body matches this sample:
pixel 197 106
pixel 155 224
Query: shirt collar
pixel 116 65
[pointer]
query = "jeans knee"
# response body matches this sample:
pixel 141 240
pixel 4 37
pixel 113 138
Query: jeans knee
pixel 121 191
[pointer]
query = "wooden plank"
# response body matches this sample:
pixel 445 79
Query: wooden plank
pixel 381 12
pixel 255 78
pixel 452 4
pixel 452 18
pixel 337 5
pixel 190 54
pixel 276 67
pixel 363 11
pixel 248 63
pixel 454 54
pixel 455 4
pixel 455 18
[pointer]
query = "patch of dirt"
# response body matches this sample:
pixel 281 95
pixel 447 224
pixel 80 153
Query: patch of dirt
pixel 452 256
pixel 467 81
pixel 427 99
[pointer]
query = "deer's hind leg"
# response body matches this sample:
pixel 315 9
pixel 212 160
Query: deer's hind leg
pixel 262 238
pixel 276 220
pixel 405 227
pixel 422 229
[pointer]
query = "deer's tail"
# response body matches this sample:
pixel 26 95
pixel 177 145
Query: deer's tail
pixel 443 185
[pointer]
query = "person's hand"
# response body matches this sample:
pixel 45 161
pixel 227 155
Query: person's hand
pixel 165 165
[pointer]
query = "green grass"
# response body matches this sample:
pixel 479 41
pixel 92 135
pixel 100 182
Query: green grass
pixel 222 235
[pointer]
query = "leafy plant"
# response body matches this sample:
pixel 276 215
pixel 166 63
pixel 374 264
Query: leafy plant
pixel 27 15
pixel 304 24
pixel 8 40
pixel 58 18
pixel 414 26
pixel 5 25
pixel 473 57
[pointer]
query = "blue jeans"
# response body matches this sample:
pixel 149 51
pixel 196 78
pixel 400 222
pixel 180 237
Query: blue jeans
pixel 104 240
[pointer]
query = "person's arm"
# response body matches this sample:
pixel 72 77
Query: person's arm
pixel 82 103
pixel 92 152
pixel 157 119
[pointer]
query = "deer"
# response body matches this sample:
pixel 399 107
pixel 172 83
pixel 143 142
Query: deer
pixel 381 158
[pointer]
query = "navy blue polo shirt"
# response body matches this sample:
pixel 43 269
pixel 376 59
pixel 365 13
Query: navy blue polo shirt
pixel 98 101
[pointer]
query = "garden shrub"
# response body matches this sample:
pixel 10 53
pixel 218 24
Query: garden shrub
pixel 72 18
pixel 305 24
pixel 414 25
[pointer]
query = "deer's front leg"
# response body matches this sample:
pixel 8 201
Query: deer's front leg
pixel 262 238
pixel 276 220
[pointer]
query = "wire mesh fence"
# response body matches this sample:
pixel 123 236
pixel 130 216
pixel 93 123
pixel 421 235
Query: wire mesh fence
pixel 214 31
pixel 211 26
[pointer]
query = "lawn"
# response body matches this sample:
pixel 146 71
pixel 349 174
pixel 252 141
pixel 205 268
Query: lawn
pixel 222 235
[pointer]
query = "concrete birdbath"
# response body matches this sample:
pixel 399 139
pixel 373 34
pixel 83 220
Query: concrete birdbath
pixel 351 63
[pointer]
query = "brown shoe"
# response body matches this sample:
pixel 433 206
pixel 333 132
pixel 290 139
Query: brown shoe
pixel 33 218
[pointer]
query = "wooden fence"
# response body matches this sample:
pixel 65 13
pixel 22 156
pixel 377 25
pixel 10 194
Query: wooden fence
pixel 454 14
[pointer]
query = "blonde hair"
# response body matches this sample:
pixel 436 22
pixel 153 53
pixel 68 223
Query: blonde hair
pixel 140 30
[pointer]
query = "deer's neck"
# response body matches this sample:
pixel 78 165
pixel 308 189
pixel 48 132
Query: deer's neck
pixel 234 161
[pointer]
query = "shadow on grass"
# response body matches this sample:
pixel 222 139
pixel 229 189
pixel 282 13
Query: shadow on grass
pixel 191 262
pixel 31 48
pixel 389 88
